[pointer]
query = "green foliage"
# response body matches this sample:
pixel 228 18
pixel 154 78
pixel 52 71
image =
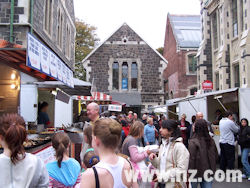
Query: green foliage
pixel 160 50
pixel 85 41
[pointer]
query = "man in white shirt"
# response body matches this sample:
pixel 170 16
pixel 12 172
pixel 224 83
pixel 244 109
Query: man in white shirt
pixel 227 130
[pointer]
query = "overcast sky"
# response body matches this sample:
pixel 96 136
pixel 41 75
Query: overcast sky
pixel 146 17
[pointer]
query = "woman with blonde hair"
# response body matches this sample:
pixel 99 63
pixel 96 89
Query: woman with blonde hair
pixel 130 144
pixel 110 171
pixel 149 132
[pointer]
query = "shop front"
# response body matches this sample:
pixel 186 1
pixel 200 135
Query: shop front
pixel 22 70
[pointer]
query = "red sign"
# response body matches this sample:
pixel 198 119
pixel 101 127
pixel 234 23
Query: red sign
pixel 207 85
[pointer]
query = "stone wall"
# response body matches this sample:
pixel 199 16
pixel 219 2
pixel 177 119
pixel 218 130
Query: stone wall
pixel 21 27
pixel 150 62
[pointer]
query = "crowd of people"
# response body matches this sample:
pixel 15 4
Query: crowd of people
pixel 114 145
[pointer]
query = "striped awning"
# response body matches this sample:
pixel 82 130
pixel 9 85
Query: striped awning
pixel 97 97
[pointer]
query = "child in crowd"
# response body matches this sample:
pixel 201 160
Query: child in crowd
pixel 87 140
pixel 87 136
pixel 90 159
pixel 65 171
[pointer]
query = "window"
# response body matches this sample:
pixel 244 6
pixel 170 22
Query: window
pixel 193 91
pixel 242 15
pixel 171 95
pixel 215 32
pixel 59 28
pixel 125 76
pixel 48 15
pixel 236 76
pixel 192 64
pixel 68 43
pixel 115 78
pixel 234 17
pixel 134 75
pixel 217 81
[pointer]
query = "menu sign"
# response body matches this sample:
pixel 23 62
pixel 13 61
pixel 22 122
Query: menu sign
pixel 46 155
pixel 40 58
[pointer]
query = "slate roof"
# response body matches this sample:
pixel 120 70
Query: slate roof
pixel 117 30
pixel 186 29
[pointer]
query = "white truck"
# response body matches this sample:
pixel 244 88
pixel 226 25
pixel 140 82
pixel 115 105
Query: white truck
pixel 236 100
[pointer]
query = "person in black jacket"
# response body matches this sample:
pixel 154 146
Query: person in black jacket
pixel 244 142
pixel 185 129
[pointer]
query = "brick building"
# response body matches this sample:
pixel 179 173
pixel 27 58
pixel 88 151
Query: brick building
pixel 128 69
pixel 224 53
pixel 182 39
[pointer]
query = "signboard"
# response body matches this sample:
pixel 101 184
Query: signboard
pixel 46 155
pixel 124 83
pixel 42 59
pixel 116 108
pixel 207 85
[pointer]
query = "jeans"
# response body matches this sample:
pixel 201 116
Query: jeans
pixel 203 184
pixel 161 185
pixel 244 160
pixel 227 156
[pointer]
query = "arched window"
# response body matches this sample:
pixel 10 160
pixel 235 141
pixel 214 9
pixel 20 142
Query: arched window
pixel 192 64
pixel 134 75
pixel 115 81
pixel 125 76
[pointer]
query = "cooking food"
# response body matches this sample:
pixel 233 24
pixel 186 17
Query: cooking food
pixel 29 143
pixel 41 139
pixel 47 132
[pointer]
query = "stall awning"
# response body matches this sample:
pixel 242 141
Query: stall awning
pixel 98 97
pixel 80 87
pixel 14 55
pixel 130 99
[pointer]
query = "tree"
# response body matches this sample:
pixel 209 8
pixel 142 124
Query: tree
pixel 85 41
pixel 160 50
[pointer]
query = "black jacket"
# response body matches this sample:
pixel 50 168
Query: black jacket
pixel 244 137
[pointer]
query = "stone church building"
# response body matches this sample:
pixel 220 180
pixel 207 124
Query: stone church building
pixel 128 69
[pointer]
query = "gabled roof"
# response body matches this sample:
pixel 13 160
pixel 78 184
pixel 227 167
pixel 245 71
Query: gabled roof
pixel 123 25
pixel 186 29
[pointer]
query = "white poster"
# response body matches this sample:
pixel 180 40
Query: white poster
pixel 64 76
pixel 41 58
pixel 116 108
pixel 71 79
pixel 53 65
pixel 59 69
pixel 68 77
pixel 34 52
pixel 45 58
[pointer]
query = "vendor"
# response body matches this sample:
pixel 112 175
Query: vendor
pixel 218 117
pixel 43 117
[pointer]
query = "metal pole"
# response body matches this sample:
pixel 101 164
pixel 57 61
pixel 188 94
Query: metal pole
pixel 221 104
pixel 172 112
pixel 192 106
pixel 11 20
pixel 31 15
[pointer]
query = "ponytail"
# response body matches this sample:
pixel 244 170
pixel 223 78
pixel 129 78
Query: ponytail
pixel 59 154
pixel 12 128
pixel 60 142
